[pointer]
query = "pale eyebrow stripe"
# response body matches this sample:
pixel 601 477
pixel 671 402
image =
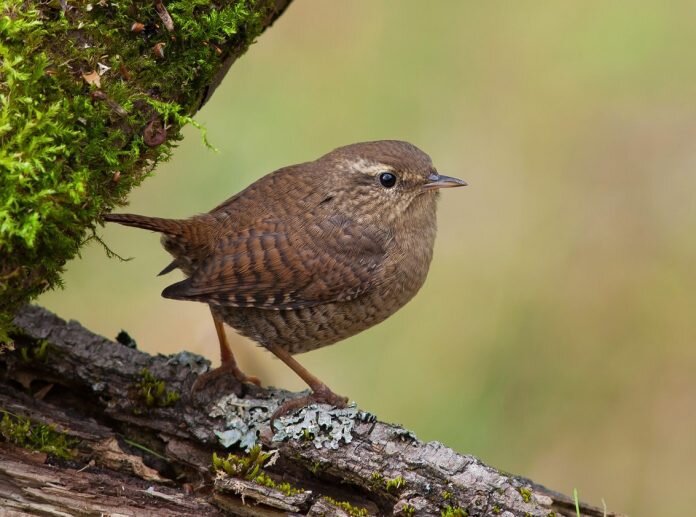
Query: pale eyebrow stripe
pixel 365 166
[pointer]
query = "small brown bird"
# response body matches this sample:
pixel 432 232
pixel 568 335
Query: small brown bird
pixel 309 254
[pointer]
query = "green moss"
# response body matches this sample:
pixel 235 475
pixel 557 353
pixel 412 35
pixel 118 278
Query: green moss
pixel 245 467
pixel 315 468
pixel 353 511
pixel 72 149
pixel 453 511
pixel 153 392
pixel 286 488
pixel 250 467
pixel 446 495
pixel 526 494
pixel 496 509
pixel 394 485
pixel 408 510
pixel 377 479
pixel 36 437
pixel 37 352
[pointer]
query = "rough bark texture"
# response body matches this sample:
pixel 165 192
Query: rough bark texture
pixel 138 450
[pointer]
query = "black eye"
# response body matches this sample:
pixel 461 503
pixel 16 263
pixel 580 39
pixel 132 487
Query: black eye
pixel 387 179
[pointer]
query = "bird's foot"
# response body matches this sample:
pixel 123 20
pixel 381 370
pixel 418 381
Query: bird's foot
pixel 320 395
pixel 228 368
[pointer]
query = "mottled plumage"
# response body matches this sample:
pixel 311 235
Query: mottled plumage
pixel 312 253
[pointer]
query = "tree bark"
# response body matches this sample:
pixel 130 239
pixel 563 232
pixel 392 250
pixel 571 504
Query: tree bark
pixel 92 96
pixel 142 444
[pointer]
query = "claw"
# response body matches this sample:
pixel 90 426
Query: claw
pixel 322 395
pixel 224 369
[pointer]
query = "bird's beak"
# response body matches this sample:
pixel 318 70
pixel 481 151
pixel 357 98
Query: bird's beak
pixel 437 181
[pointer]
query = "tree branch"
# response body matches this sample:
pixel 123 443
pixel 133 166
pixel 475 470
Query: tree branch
pixel 149 451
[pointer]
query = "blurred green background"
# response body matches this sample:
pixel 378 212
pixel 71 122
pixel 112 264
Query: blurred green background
pixel 555 335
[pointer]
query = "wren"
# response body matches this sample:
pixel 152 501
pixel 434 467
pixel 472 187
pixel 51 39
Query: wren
pixel 310 254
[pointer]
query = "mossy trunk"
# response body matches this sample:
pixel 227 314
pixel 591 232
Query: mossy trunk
pixel 93 94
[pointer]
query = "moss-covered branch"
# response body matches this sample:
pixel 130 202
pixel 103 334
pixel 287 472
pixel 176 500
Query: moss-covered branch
pixel 92 96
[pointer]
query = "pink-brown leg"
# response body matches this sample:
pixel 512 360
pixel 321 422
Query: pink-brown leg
pixel 320 391
pixel 228 364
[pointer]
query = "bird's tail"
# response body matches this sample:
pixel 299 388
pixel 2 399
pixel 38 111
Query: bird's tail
pixel 173 227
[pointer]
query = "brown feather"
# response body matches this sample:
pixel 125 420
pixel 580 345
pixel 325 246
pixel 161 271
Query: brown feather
pixel 312 253
pixel 273 267
pixel 157 224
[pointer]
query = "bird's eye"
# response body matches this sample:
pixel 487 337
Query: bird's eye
pixel 387 179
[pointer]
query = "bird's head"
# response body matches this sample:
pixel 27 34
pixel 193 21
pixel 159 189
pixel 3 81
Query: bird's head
pixel 387 180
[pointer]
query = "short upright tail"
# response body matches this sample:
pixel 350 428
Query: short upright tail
pixel 172 227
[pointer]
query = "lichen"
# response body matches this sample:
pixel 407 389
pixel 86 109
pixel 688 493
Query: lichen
pixel 404 435
pixel 153 392
pixel 198 364
pixel 324 427
pixel 353 511
pixel 24 433
pixel 319 425
pixel 78 92
pixel 244 419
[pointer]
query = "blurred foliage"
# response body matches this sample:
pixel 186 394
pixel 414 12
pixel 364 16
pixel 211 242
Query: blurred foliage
pixel 555 335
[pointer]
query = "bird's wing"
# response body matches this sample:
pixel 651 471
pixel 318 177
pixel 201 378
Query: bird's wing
pixel 271 267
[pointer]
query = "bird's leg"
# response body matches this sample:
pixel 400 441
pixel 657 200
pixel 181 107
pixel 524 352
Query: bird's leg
pixel 320 391
pixel 228 362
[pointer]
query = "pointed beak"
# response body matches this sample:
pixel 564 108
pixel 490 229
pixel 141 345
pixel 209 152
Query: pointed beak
pixel 438 181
